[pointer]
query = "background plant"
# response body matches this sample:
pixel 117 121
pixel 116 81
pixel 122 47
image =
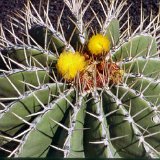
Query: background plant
pixel 43 115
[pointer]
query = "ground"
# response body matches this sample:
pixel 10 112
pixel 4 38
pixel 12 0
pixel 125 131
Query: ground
pixel 8 7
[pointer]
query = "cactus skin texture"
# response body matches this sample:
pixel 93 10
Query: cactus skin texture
pixel 43 115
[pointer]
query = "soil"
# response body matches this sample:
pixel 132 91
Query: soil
pixel 8 7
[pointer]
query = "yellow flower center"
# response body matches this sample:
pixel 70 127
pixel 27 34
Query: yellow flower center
pixel 99 44
pixel 69 64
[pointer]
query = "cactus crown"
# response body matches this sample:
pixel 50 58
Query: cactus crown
pixel 79 94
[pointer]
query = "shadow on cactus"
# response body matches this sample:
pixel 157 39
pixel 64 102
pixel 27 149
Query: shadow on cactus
pixel 78 93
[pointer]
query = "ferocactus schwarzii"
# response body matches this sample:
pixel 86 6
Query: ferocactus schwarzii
pixel 68 98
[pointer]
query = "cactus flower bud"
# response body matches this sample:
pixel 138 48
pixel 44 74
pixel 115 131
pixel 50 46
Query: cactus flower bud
pixel 99 45
pixel 69 64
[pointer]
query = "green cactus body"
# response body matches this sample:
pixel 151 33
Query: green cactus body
pixel 109 110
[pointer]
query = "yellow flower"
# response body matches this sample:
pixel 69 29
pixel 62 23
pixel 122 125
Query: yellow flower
pixel 99 44
pixel 69 64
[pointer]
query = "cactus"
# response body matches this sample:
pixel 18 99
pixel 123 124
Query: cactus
pixel 76 93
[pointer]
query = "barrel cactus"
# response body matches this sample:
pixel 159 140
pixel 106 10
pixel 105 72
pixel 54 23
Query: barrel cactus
pixel 78 93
